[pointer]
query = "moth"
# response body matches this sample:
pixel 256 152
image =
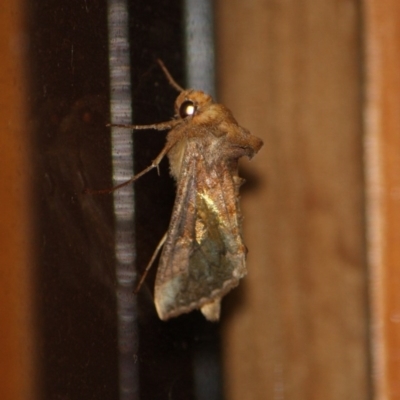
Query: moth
pixel 203 254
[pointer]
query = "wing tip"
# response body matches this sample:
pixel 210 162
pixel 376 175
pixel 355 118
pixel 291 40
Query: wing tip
pixel 209 306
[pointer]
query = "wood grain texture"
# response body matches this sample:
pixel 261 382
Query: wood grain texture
pixel 291 73
pixel 16 310
pixel 382 145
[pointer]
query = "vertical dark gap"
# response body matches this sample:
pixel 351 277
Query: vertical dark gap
pixel 76 279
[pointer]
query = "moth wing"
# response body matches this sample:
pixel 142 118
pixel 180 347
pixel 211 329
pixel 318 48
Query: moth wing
pixel 204 254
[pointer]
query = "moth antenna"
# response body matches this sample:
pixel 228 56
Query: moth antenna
pixel 171 80
pixel 151 262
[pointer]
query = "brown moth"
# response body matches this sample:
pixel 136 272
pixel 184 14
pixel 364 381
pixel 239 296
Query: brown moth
pixel 203 255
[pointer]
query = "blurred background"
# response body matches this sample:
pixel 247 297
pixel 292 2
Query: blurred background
pixel 318 315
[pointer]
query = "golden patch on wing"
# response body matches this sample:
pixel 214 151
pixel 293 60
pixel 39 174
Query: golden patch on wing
pixel 200 230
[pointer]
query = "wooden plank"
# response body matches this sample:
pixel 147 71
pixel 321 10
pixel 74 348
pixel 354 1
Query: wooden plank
pixel 17 372
pixel 291 73
pixel 382 144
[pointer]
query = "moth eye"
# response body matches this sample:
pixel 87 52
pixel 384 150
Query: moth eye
pixel 187 109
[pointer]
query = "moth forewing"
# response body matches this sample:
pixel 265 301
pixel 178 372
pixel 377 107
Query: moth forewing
pixel 204 254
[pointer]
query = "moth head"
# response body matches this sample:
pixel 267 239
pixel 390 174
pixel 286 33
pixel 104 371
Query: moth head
pixel 191 102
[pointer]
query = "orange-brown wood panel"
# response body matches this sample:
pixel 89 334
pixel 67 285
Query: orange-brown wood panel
pixel 291 72
pixel 382 122
pixel 17 372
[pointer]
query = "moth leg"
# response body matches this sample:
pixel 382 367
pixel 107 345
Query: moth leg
pixel 149 265
pixel 160 126
pixel 154 164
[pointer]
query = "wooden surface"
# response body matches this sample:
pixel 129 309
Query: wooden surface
pixel 382 125
pixel 291 73
pixel 16 311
